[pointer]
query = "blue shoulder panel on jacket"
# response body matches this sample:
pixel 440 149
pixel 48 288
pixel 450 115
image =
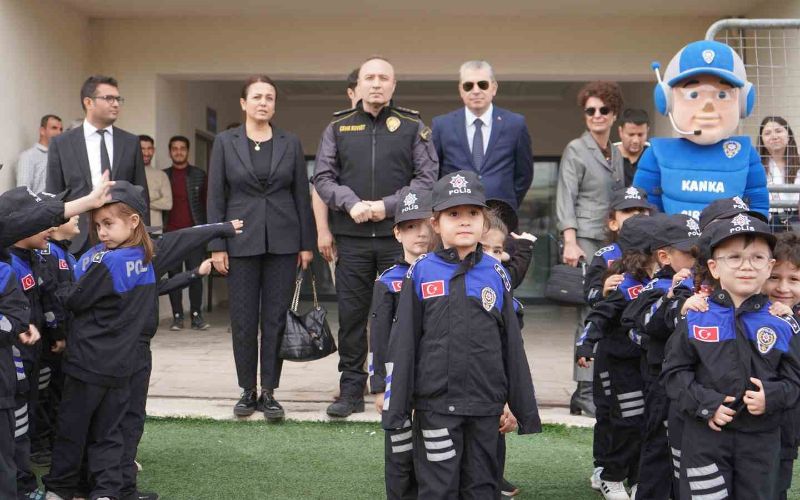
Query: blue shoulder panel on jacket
pixel 630 287
pixel 767 331
pixel 431 276
pixel 609 253
pixel 128 269
pixel 6 273
pixel 715 325
pixel 486 283
pixel 392 278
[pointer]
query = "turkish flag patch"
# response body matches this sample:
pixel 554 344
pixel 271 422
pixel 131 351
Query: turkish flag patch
pixel 62 264
pixel 397 285
pixel 706 333
pixel 634 291
pixel 432 289
pixel 27 282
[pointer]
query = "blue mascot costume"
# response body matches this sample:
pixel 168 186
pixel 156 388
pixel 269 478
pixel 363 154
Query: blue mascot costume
pixel 704 93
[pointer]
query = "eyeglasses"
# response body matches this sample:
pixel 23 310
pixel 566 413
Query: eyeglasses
pixel 468 86
pixel 758 261
pixel 110 98
pixel 603 111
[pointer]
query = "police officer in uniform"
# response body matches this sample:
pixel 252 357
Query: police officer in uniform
pixel 366 155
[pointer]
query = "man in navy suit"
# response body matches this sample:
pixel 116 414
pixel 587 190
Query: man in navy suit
pixel 492 141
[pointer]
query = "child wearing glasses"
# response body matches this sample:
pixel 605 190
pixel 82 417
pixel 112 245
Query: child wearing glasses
pixel 733 369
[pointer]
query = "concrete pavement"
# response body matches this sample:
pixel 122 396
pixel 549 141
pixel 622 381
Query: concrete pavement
pixel 194 373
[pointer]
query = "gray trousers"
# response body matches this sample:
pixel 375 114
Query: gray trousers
pixel 589 247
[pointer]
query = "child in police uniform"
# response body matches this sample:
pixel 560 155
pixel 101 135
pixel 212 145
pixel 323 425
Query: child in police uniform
pixel 413 230
pixel 733 369
pixel 456 355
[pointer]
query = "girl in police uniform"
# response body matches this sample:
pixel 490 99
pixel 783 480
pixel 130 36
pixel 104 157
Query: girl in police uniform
pixel 455 354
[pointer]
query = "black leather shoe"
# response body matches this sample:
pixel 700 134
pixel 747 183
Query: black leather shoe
pixel 343 407
pixel 247 404
pixel 273 411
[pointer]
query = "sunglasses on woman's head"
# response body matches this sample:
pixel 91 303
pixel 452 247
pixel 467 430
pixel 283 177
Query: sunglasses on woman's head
pixel 603 111
pixel 468 86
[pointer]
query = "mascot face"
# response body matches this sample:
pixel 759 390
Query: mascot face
pixel 707 103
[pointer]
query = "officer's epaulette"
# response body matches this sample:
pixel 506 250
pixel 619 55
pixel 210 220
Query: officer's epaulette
pixel 503 276
pixel 604 250
pixel 45 251
pixel 385 272
pixel 792 322
pixel 407 111
pixel 411 268
pixel 343 112
pixel 99 256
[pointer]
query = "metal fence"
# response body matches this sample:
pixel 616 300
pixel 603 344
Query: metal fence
pixel 770 49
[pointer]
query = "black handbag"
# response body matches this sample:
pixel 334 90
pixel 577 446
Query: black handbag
pixel 308 336
pixel 565 283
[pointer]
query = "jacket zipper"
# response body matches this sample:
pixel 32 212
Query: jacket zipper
pixel 372 180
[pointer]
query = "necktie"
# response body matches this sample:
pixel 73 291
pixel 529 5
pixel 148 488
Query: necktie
pixel 105 161
pixel 477 144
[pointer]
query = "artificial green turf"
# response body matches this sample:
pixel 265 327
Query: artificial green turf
pixel 204 459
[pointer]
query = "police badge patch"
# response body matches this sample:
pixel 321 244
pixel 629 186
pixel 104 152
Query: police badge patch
pixel 488 298
pixel 708 56
pixel 393 123
pixel 731 148
pixel 765 339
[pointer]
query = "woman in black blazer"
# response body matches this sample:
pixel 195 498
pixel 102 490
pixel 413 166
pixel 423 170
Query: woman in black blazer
pixel 258 174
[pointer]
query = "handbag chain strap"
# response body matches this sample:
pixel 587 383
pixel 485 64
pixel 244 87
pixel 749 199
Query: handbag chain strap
pixel 314 290
pixel 296 297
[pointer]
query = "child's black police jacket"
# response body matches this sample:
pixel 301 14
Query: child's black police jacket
pixel 385 295
pixel 604 322
pixel 113 302
pixel 14 319
pixel 713 354
pixel 638 314
pixel 596 272
pixel 456 347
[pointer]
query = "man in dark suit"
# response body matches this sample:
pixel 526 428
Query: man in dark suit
pixel 77 158
pixel 492 141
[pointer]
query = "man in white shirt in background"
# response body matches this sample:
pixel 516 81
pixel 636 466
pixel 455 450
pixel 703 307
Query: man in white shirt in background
pixel 157 183
pixel 32 164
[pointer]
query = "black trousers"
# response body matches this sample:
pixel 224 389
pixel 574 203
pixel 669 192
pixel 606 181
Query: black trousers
pixel 26 479
pixel 675 437
pixel 360 261
pixel 8 466
pixel 601 392
pixel 51 382
pixel 260 290
pixel 401 482
pixel 627 419
pixel 740 464
pixel 193 259
pixel 456 456
pixel 655 460
pixel 133 422
pixel 89 421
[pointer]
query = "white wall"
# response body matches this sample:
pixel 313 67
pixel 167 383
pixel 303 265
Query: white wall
pixel 45 60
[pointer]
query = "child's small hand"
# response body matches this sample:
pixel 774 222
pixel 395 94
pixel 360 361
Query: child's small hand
pixel 756 401
pixel 101 195
pixel 205 267
pixel 58 346
pixel 31 336
pixel 379 402
pixel 723 415
pixel 524 236
pixel 611 283
pixel 238 224
pixel 697 303
pixel 780 309
pixel 508 422
pixel 583 362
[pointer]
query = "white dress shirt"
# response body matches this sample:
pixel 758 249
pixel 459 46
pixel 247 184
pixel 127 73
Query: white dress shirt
pixel 486 129
pixel 93 149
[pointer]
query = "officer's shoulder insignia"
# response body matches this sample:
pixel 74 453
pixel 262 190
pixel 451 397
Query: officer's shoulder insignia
pixel 765 339
pixel 384 273
pixel 503 276
pixel 407 111
pixel 488 298
pixel 411 268
pixel 604 251
pixel 792 323
pixel 98 257
pixel 731 148
pixel 425 134
pixel 343 112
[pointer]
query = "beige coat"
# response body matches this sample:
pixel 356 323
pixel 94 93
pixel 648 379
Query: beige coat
pixel 160 194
